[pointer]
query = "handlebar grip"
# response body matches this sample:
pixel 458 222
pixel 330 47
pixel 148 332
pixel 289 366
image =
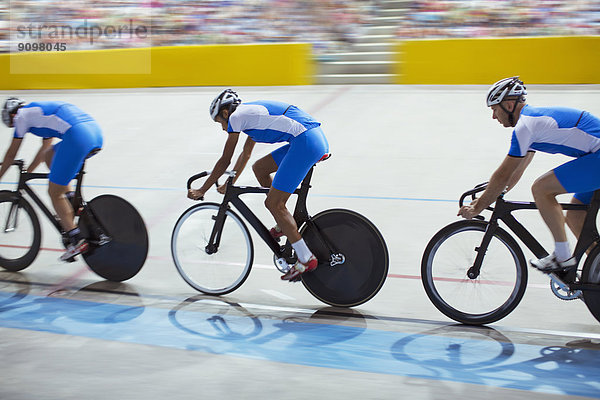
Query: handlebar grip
pixel 202 174
pixel 195 178
pixel 19 163
pixel 479 188
pixel 462 199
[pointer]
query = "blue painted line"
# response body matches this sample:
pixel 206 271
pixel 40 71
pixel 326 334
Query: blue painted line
pixel 487 362
pixel 179 189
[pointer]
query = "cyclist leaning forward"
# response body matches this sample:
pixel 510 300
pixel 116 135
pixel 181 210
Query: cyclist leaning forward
pixel 571 132
pixel 270 122
pixel 81 138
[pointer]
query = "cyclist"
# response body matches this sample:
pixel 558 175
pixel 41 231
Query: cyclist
pixel 81 137
pixel 270 122
pixel 571 132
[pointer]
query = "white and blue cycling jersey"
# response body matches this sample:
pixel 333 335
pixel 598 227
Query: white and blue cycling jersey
pixel 48 119
pixel 273 122
pixel 270 121
pixel 79 132
pixel 567 131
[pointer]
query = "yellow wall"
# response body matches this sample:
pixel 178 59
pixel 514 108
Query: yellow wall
pixel 569 60
pixel 235 65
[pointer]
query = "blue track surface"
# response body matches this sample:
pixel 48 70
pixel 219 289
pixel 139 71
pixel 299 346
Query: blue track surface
pixel 438 354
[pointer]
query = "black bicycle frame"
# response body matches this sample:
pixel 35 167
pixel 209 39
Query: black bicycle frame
pixel 232 196
pixel 502 211
pixel 24 177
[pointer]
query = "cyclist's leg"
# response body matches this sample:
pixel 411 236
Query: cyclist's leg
pixel 57 191
pixel 69 156
pixel 59 184
pixel 296 159
pixel 264 167
pixel 49 155
pixel 571 177
pixel 275 203
pixel 304 151
pixel 575 218
pixel 293 163
pixel 545 189
pixel 578 176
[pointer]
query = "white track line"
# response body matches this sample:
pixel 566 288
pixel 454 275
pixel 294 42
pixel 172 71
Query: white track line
pixel 277 294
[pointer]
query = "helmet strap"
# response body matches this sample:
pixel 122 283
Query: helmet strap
pixel 511 115
pixel 232 108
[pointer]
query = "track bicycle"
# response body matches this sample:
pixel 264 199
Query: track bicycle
pixel 474 271
pixel 115 231
pixel 213 250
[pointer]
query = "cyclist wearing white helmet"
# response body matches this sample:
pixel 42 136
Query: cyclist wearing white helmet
pixel 571 132
pixel 81 137
pixel 270 122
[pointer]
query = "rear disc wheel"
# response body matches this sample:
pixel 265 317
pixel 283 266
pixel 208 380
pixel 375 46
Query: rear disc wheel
pixel 591 275
pixel 125 254
pixel 360 253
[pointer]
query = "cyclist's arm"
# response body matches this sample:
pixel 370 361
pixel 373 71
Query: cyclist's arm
pixel 519 172
pixel 223 162
pixel 9 156
pixel 244 157
pixel 497 184
pixel 39 157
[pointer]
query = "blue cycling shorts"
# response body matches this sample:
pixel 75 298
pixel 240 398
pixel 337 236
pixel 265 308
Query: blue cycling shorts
pixel 295 159
pixel 71 152
pixel 580 176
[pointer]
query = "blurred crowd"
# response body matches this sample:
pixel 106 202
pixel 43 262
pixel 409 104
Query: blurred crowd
pixel 324 23
pixel 330 25
pixel 474 18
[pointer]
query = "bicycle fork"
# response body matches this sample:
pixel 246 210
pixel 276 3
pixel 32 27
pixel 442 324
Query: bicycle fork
pixel 11 219
pixel 215 236
pixel 474 271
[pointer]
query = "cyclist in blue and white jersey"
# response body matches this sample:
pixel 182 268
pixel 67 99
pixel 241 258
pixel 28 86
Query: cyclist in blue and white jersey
pixel 571 132
pixel 271 122
pixel 81 137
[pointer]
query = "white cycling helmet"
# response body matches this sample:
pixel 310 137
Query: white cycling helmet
pixel 508 87
pixel 11 105
pixel 227 98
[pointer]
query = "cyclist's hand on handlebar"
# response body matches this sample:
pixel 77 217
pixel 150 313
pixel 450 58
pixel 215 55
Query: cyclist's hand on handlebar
pixel 195 194
pixel 467 212
pixel 221 189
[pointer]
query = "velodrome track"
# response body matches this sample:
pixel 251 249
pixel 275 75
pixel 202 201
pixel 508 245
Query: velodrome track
pixel 402 155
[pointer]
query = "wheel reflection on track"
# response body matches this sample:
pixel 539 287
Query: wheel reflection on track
pixel 480 356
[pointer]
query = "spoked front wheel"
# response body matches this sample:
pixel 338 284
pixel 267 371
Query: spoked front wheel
pixel 493 294
pixel 353 263
pixel 116 220
pixel 217 271
pixel 20 233
pixel 591 275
